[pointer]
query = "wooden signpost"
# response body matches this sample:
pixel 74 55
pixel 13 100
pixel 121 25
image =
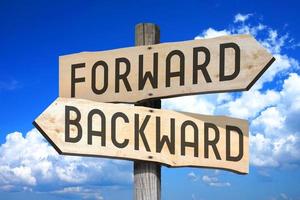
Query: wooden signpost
pixel 83 127
pixel 222 64
pixel 81 122
pixel 147 175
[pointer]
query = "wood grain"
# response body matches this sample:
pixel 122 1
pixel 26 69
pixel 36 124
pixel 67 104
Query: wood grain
pixel 52 124
pixel 147 175
pixel 253 62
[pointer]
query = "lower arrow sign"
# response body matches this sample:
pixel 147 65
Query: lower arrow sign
pixel 175 139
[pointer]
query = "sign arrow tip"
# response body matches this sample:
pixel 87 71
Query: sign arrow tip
pixel 35 124
pixel 261 73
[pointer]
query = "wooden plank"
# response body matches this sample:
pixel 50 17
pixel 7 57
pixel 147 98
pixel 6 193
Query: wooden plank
pixel 147 175
pixel 242 62
pixel 121 131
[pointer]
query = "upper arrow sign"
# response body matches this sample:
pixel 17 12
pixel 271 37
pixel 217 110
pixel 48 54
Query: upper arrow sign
pixel 228 63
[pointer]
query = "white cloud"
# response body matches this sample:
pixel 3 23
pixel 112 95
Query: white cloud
pixel 282 66
pixel 281 196
pixel 274 42
pixel 272 105
pixel 84 193
pixel 261 149
pixel 214 181
pixel 223 98
pixel 241 18
pixel 211 33
pixel 30 162
pixel 276 140
pixel 271 119
pixel 291 92
pixel 193 176
pixel 251 103
pixel 284 196
pixel 195 104
pixel 249 29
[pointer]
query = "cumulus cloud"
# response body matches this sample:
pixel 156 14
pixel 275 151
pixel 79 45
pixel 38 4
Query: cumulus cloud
pixel 276 140
pixel 211 33
pixel 271 119
pixel 272 105
pixel 195 104
pixel 249 104
pixel 241 18
pixel 29 162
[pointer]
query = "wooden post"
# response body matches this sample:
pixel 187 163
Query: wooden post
pixel 147 175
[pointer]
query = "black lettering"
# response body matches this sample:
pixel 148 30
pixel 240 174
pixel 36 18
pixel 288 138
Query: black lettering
pixel 139 131
pixel 170 142
pixel 228 143
pixel 74 79
pixel 92 132
pixel 74 122
pixel 189 144
pixel 152 78
pixel 212 143
pixel 180 73
pixel 113 129
pixel 123 76
pixel 105 78
pixel 237 66
pixel 201 67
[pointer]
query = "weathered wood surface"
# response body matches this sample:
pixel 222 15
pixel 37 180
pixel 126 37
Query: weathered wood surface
pixel 147 180
pixel 253 59
pixel 140 127
pixel 147 175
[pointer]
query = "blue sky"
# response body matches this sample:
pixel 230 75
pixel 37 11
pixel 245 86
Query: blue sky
pixel 34 33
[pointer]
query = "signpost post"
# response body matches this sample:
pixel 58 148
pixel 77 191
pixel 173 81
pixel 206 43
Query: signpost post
pixel 147 175
pixel 82 122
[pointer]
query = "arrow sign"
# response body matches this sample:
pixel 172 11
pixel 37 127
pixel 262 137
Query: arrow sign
pixel 87 128
pixel 222 64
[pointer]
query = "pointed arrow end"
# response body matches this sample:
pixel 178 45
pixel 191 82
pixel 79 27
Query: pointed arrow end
pixel 35 124
pixel 260 73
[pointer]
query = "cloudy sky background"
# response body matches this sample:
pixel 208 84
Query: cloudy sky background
pixel 32 38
